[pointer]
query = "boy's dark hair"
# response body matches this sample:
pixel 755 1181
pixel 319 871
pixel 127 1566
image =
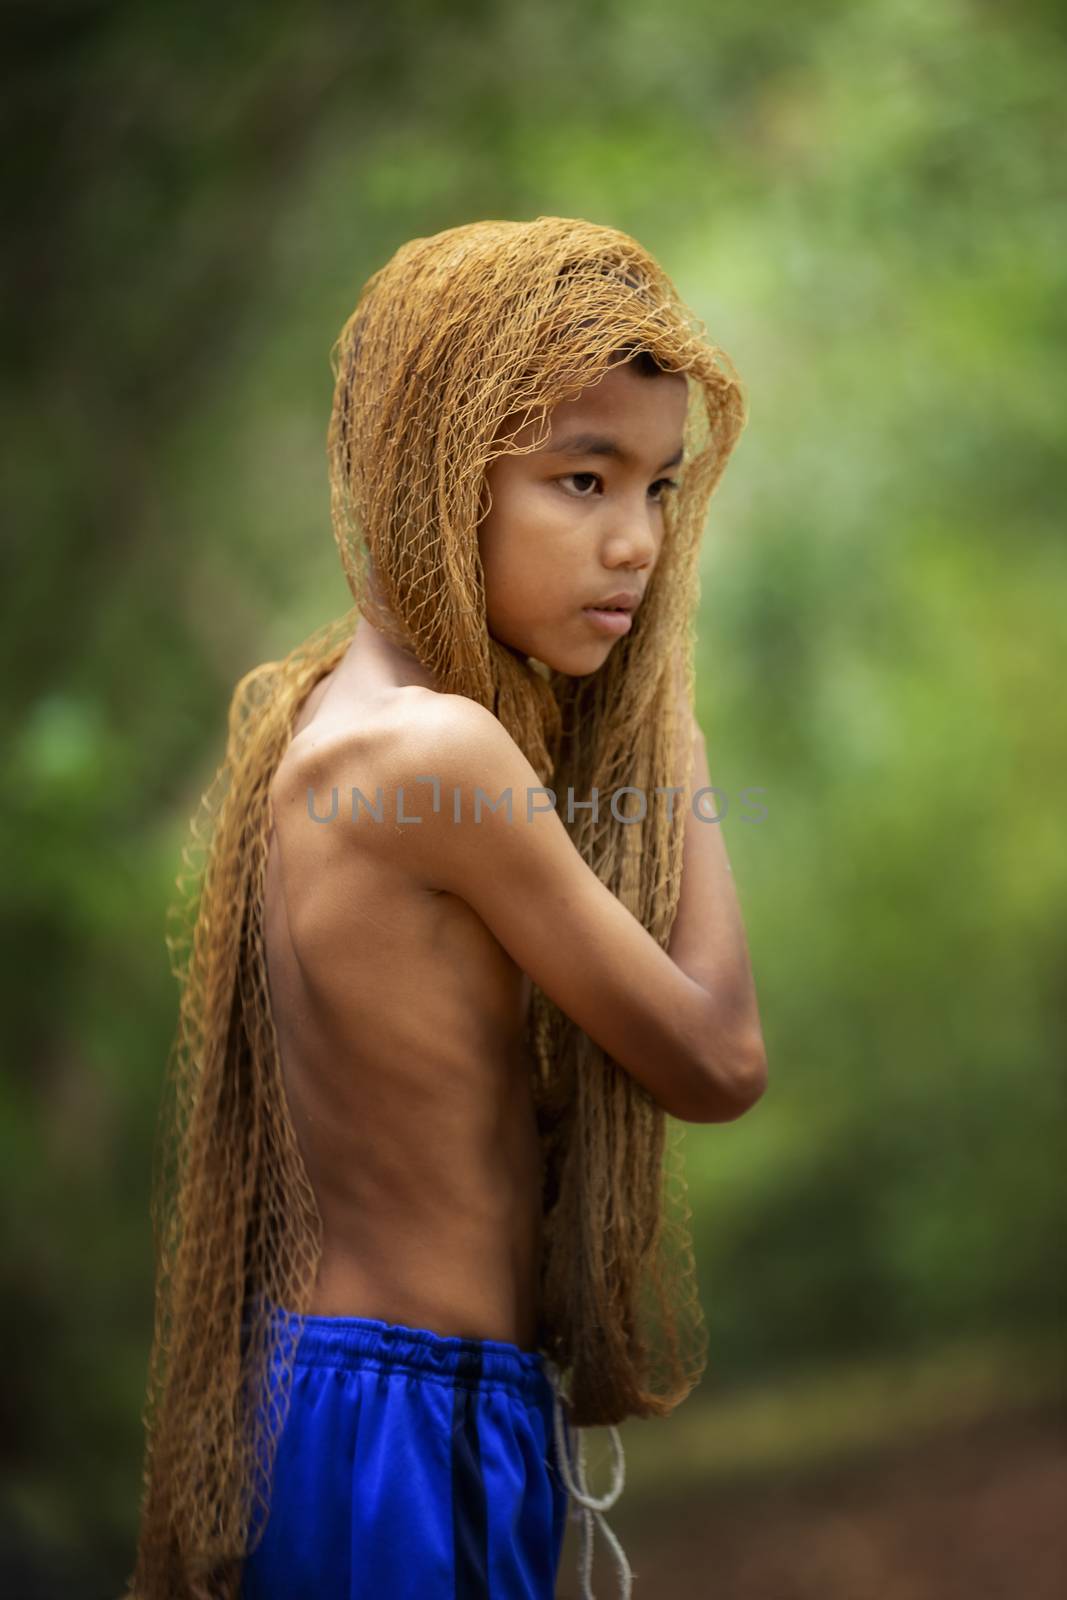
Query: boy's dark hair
pixel 643 362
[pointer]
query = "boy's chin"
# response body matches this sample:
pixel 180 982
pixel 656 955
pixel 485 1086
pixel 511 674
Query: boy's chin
pixel 574 667
pixel 572 663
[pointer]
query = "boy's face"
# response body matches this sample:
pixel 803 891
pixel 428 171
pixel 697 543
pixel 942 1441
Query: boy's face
pixel 572 524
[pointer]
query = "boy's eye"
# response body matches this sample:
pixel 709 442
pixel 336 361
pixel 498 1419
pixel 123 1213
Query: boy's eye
pixel 578 478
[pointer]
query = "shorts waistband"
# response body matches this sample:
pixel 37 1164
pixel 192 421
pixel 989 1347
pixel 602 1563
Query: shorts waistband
pixel 362 1342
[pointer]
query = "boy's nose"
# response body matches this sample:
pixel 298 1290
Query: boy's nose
pixel 633 539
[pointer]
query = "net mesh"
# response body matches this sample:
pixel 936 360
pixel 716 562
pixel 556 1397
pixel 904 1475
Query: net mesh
pixel 457 344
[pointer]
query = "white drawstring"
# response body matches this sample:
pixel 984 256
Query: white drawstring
pixel 590 1509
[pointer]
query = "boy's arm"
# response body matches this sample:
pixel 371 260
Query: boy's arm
pixel 691 1046
pixel 708 936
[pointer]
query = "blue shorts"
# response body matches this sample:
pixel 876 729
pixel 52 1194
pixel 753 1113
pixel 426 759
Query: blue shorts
pixel 411 1466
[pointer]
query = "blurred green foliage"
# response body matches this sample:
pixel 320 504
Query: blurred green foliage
pixel 865 205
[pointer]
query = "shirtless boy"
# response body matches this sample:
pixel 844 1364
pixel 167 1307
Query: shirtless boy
pixel 472 1013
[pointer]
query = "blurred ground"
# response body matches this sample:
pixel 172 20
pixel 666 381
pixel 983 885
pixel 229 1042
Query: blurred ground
pixel 975 1511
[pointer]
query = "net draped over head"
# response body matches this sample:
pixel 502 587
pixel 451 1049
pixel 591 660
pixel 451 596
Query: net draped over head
pixel 457 336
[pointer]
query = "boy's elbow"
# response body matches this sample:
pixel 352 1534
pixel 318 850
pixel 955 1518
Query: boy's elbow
pixel 732 1085
pixel 750 1081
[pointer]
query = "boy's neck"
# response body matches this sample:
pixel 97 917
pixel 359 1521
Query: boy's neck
pixel 380 663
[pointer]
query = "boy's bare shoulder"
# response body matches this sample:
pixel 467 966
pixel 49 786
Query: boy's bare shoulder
pixel 422 733
pixel 427 726
pixel 442 744
pixel 452 725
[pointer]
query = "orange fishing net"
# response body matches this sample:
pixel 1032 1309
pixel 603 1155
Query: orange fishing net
pixel 456 335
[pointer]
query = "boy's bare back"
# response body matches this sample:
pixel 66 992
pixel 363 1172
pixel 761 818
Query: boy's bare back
pixel 400 1023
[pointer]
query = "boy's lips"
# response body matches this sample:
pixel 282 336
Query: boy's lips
pixel 614 622
pixel 621 600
